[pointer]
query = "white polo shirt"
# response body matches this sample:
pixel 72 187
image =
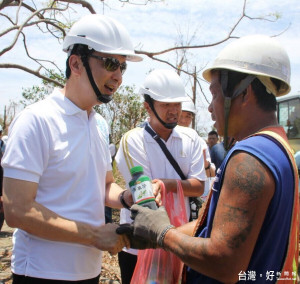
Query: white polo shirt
pixel 137 147
pixel 55 144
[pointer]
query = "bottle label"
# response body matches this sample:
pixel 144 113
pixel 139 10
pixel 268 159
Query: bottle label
pixel 142 191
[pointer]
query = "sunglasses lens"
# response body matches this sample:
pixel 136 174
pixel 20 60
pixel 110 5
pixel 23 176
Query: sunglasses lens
pixel 123 67
pixel 111 64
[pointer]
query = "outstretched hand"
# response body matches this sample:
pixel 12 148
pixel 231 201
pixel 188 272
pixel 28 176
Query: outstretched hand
pixel 150 225
pixel 157 190
pixel 135 241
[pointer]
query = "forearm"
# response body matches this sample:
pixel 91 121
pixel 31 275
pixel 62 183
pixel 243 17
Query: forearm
pixel 210 169
pixel 22 211
pixel 191 187
pixel 200 255
pixel 187 228
pixel 113 194
pixel 44 223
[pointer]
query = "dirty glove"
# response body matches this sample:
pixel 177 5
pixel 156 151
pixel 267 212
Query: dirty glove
pixel 150 225
pixel 135 241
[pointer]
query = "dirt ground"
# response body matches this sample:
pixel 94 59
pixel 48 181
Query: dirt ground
pixel 110 267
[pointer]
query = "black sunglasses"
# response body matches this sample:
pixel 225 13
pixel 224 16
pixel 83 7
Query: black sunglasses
pixel 111 64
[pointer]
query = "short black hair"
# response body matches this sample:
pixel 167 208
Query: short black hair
pixel 213 132
pixel 265 100
pixel 78 49
pixel 147 99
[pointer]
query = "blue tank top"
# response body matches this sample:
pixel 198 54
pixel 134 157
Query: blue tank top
pixel 271 247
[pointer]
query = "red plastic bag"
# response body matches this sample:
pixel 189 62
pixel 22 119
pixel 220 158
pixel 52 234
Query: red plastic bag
pixel 158 265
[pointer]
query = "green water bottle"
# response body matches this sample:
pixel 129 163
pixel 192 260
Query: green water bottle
pixel 141 188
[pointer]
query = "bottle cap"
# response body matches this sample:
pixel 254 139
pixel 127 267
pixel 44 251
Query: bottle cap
pixel 137 169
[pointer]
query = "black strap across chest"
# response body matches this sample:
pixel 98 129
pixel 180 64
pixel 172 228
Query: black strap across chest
pixel 166 151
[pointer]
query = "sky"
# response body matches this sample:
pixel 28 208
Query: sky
pixel 157 26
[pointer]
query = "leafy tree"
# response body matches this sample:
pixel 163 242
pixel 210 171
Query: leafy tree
pixel 123 113
pixel 37 93
pixel 20 18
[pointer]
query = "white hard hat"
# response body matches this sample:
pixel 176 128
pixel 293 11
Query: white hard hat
pixel 258 55
pixel 102 34
pixel 188 106
pixel 164 85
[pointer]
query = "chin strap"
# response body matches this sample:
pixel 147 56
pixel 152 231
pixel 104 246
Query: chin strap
pixel 166 125
pixel 100 97
pixel 242 86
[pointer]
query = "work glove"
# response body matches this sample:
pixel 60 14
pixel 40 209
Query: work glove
pixel 150 225
pixel 135 242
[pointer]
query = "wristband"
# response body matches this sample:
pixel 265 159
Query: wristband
pixel 122 200
pixel 163 234
pixel 208 166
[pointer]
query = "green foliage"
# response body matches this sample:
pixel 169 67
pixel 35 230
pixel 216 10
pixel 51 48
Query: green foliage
pixel 33 95
pixel 52 74
pixel 124 112
pixel 37 93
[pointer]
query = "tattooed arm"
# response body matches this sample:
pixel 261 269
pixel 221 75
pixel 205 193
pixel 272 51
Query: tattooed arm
pixel 246 192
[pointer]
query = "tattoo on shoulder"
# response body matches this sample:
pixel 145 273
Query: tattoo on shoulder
pixel 249 176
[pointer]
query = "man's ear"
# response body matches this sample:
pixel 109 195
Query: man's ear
pixel 75 64
pixel 147 107
pixel 248 94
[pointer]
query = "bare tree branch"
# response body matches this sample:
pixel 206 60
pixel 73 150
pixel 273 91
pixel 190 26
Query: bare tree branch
pixel 50 21
pixel 22 26
pixel 45 21
pixel 38 61
pixel 28 70
pixel 139 2
pixel 6 3
pixel 84 4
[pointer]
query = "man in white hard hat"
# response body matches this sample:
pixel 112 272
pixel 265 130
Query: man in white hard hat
pixel 163 92
pixel 188 111
pixel 249 231
pixel 57 166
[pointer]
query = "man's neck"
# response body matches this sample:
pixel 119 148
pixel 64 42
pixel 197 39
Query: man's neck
pixel 162 131
pixel 267 121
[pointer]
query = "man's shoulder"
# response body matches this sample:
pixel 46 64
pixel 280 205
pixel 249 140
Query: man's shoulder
pixel 42 107
pixel 217 146
pixel 133 134
pixel 188 132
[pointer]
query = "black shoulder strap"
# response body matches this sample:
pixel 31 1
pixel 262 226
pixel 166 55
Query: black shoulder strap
pixel 166 151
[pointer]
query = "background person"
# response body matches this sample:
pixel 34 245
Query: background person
pixel 250 232
pixel 163 92
pixel 57 166
pixel 188 111
pixel 212 139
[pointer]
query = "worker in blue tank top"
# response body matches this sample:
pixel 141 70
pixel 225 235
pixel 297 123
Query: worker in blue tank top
pixel 247 231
